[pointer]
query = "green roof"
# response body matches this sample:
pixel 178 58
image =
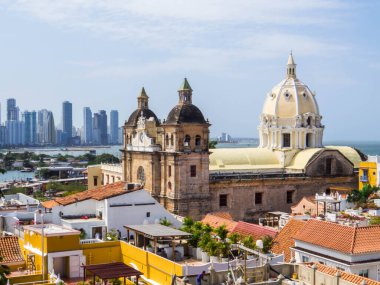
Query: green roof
pixel 143 93
pixel 185 85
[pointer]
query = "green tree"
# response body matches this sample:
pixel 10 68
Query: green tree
pixel 212 144
pixel 4 271
pixel 222 232
pixel 267 243
pixel 165 222
pixel 374 221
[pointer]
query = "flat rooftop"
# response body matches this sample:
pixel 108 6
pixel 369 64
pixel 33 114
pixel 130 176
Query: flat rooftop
pixel 51 230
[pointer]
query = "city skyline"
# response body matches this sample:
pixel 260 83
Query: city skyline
pixel 106 52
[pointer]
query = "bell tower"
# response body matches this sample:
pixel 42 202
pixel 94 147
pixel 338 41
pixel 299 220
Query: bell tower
pixel 185 158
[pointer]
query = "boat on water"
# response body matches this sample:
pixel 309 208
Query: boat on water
pixel 27 169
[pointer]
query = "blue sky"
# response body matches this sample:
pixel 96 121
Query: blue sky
pixel 100 54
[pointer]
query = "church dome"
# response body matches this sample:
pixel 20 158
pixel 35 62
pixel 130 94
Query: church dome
pixel 290 118
pixel 291 97
pixel 188 113
pixel 147 113
pixel 185 111
pixel 142 110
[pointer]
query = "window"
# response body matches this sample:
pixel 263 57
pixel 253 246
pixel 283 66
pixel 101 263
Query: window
pixel 308 121
pixel 172 140
pixel 169 170
pixel 289 197
pixel 286 140
pixel 167 139
pixel 305 258
pixel 308 140
pixel 328 166
pixel 363 273
pixel 186 141
pixel 169 185
pixel 193 170
pixel 141 174
pixel 223 200
pixel 258 198
pixel 198 141
pixel 95 180
pixel 147 214
pixel 364 177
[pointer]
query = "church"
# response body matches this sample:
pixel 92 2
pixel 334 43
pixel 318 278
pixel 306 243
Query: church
pixel 172 159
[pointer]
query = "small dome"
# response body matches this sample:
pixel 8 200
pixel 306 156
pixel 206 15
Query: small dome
pixel 185 113
pixel 147 113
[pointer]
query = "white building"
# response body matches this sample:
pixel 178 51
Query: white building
pixel 108 207
pixel 351 249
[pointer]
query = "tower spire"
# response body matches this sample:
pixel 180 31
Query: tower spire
pixel 143 99
pixel 185 92
pixel 291 67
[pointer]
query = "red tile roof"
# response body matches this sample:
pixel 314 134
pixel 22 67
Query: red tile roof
pixel 346 239
pixel 284 240
pixel 242 228
pixel 349 277
pixel 224 215
pixel 100 193
pixel 216 221
pixel 256 231
pixel 10 250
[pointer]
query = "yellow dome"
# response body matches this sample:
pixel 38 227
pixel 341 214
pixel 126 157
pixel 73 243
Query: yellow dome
pixel 290 98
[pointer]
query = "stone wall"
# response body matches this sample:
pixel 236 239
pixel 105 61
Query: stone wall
pixel 241 193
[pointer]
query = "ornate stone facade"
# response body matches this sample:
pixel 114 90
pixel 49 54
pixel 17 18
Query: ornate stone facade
pixel 171 158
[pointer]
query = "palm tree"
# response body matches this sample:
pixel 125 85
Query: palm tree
pixel 4 271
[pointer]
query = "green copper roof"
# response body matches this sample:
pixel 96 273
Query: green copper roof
pixel 185 85
pixel 143 93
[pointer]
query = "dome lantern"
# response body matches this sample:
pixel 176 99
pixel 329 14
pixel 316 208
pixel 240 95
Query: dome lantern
pixel 291 67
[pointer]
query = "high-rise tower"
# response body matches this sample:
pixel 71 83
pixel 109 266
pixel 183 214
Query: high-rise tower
pixel 67 122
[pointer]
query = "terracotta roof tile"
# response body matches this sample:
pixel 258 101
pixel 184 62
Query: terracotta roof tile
pixel 349 277
pixel 216 221
pixel 284 240
pixel 10 250
pixel 256 231
pixel 100 193
pixel 224 215
pixel 353 240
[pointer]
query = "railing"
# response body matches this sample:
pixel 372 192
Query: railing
pixel 89 241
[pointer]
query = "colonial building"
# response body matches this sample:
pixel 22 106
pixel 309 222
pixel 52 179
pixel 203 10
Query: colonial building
pixel 171 158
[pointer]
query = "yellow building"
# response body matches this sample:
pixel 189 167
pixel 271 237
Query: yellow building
pixel 369 172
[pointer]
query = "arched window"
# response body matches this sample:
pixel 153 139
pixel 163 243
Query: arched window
pixel 198 141
pixel 309 121
pixel 167 140
pixel 172 140
pixel 186 141
pixel 141 174
pixel 169 185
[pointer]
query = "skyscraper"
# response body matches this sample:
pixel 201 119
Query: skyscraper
pixel 14 127
pixel 103 127
pixel 30 127
pixel 96 129
pixel 114 127
pixel 12 110
pixel 87 126
pixel 67 122
pixel 46 128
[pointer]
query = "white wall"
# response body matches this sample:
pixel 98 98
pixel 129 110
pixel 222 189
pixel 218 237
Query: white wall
pixel 117 217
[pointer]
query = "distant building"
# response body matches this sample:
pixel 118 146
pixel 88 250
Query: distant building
pixel 67 122
pixel 30 127
pixel 114 127
pixel 96 128
pixel 103 127
pixel 15 132
pixel 46 132
pixel 12 110
pixel 87 126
